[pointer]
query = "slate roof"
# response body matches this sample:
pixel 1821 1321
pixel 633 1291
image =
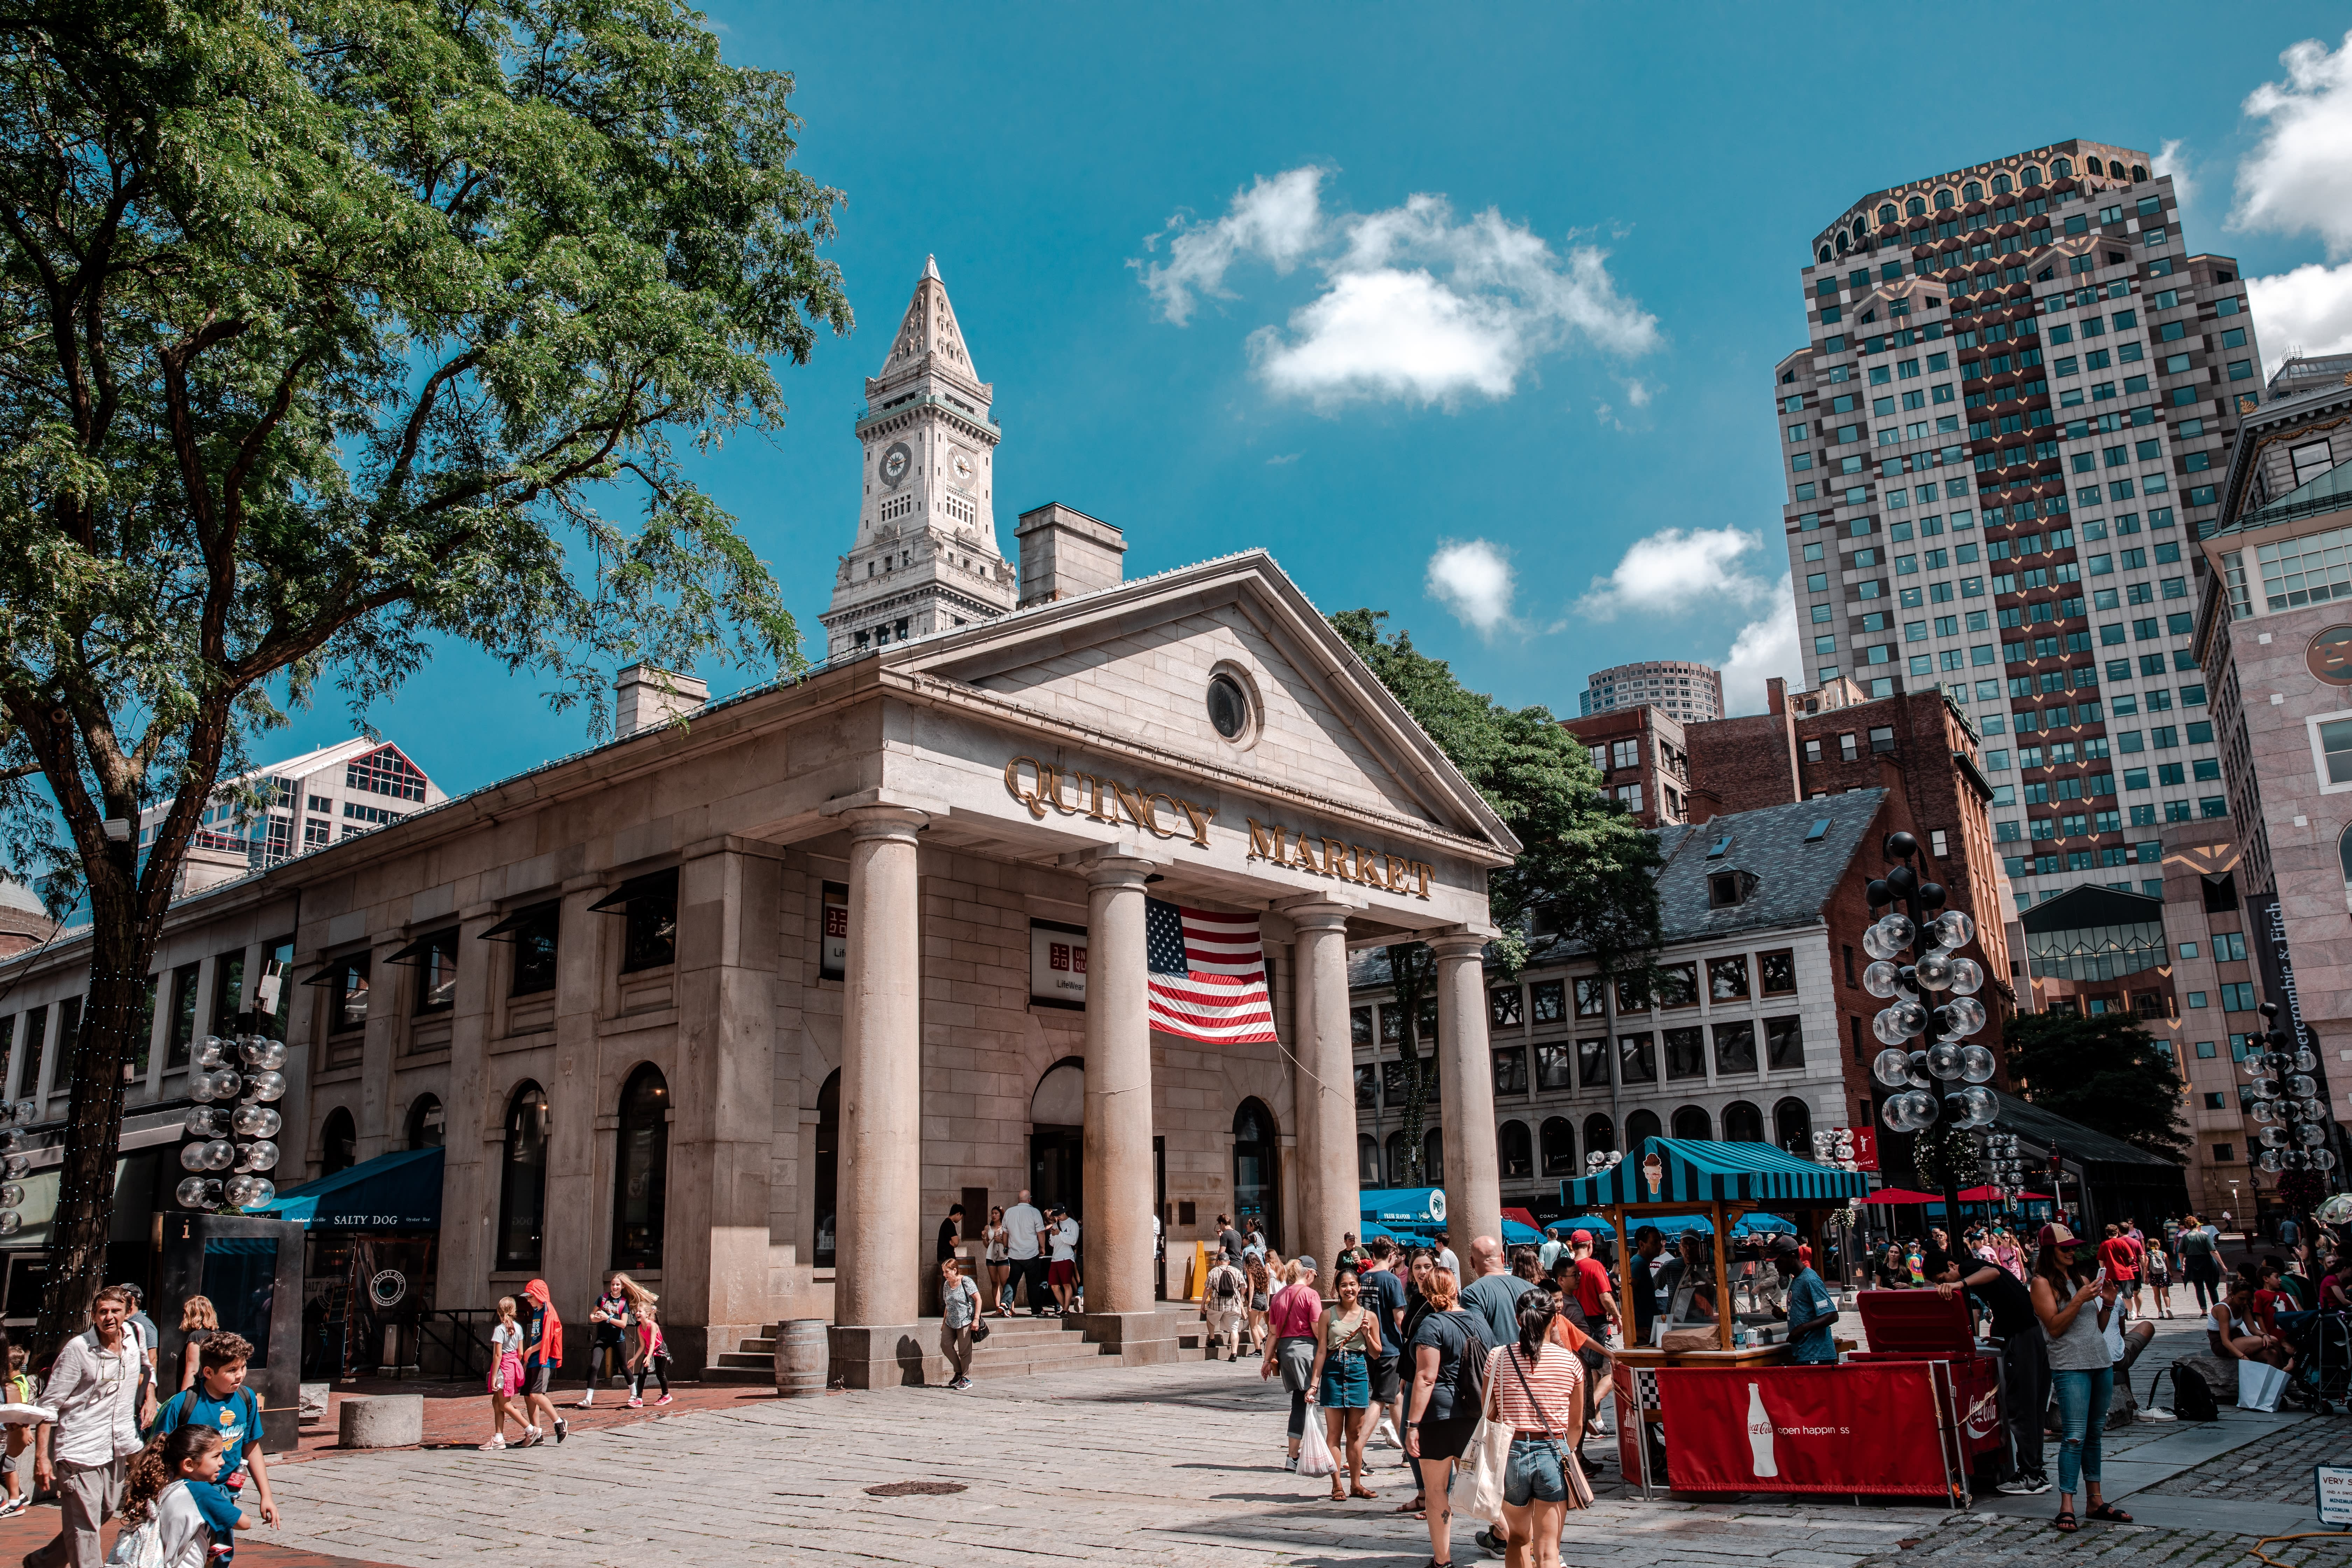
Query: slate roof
pixel 2037 1129
pixel 1794 878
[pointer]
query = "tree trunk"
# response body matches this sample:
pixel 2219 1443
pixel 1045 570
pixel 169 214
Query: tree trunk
pixel 113 1021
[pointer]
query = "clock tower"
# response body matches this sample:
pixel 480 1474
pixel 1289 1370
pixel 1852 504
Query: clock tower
pixel 926 556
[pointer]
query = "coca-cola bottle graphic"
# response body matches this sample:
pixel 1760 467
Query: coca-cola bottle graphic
pixel 1760 1435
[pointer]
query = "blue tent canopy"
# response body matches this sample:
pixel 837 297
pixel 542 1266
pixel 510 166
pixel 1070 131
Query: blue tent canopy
pixel 1673 1225
pixel 1697 1169
pixel 1415 1208
pixel 1591 1222
pixel 391 1191
pixel 1517 1234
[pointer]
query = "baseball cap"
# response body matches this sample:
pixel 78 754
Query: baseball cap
pixel 1581 1239
pixel 2055 1235
pixel 1304 1261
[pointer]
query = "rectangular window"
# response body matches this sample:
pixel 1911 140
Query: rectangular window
pixel 1637 1059
pixel 435 957
pixel 2336 749
pixel 1593 1063
pixel 1735 1047
pixel 1784 1042
pixel 1553 1068
pixel 1726 978
pixel 1511 1071
pixel 1547 1002
pixel 1591 996
pixel 1685 1053
pixel 648 908
pixel 533 930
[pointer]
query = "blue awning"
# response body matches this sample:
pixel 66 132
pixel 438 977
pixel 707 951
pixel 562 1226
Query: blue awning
pixel 1421 1207
pixel 1702 1170
pixel 1517 1234
pixel 391 1191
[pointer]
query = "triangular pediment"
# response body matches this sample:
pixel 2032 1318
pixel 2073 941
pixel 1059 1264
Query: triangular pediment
pixel 1133 664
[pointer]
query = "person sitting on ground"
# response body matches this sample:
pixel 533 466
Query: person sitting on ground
pixel 2233 1334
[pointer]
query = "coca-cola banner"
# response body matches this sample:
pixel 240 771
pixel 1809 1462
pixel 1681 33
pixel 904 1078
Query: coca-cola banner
pixel 1851 1429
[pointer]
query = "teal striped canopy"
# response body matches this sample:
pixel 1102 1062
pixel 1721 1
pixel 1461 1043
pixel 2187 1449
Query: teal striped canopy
pixel 1698 1169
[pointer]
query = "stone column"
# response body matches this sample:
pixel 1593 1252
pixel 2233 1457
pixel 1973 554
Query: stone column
pixel 469 1167
pixel 1118 1111
pixel 879 1231
pixel 390 988
pixel 1327 1088
pixel 1474 1189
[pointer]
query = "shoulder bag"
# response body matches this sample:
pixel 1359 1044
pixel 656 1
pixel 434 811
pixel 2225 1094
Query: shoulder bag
pixel 1571 1467
pixel 1477 1489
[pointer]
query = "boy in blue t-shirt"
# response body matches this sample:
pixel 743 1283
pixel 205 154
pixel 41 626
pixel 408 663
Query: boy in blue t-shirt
pixel 221 1402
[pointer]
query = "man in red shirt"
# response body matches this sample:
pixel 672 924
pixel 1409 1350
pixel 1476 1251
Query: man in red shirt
pixel 2121 1261
pixel 1592 1286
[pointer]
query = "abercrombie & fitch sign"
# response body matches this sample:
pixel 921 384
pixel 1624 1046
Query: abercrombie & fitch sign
pixel 1042 787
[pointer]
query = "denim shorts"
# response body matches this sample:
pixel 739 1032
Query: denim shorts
pixel 1347 1382
pixel 1533 1473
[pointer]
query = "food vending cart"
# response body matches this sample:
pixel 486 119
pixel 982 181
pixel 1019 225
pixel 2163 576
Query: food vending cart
pixel 1727 1417
pixel 1906 1326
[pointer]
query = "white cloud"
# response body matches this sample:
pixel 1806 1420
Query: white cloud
pixel 1277 219
pixel 2169 161
pixel 1473 579
pixel 1415 306
pixel 1284 458
pixel 1673 571
pixel 1638 393
pixel 2300 177
pixel 1765 646
pixel 2307 310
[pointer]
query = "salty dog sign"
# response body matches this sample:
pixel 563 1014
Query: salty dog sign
pixel 1042 787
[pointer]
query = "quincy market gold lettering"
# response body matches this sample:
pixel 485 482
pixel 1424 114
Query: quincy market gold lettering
pixel 1042 787
pixel 1338 857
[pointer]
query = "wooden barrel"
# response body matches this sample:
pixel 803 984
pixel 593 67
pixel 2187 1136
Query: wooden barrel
pixel 801 1358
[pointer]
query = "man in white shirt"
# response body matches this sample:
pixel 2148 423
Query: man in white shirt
pixel 1063 1272
pixel 1021 1224
pixel 94 1389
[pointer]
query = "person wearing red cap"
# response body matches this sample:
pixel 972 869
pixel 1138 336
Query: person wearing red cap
pixel 542 1352
pixel 1592 1292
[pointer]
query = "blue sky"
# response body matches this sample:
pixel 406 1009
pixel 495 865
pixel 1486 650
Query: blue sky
pixel 1515 286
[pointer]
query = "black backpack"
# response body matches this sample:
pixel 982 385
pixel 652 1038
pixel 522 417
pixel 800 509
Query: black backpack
pixel 2192 1396
pixel 1226 1291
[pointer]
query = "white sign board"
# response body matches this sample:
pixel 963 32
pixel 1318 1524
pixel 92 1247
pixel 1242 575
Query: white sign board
pixel 1057 964
pixel 2333 1483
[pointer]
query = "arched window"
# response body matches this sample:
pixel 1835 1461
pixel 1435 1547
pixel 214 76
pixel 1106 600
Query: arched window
pixel 2000 184
pixel 1792 1126
pixel 1432 1158
pixel 1693 1122
pixel 1397 1171
pixel 641 1171
pixel 1742 1123
pixel 1517 1152
pixel 2139 173
pixel 339 1142
pixel 2344 854
pixel 1943 201
pixel 1600 1135
pixel 1842 243
pixel 2033 176
pixel 2094 165
pixel 2063 169
pixel 1972 192
pixel 1258 1162
pixel 522 1180
pixel 1825 253
pixel 828 1170
pixel 1640 1128
pixel 1558 1147
pixel 1368 1161
pixel 426 1122
pixel 1916 207
pixel 1886 212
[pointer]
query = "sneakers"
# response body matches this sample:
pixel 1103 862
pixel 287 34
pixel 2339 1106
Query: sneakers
pixel 562 1428
pixel 1290 1462
pixel 15 1505
pixel 662 1400
pixel 961 1383
pixel 588 1398
pixel 2150 1413
pixel 636 1403
pixel 2024 1485
pixel 498 1440
pixel 532 1437
pixel 1492 1542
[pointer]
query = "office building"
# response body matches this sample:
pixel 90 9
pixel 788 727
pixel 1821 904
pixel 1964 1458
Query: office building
pixel 306 803
pixel 2002 440
pixel 1643 759
pixel 1684 691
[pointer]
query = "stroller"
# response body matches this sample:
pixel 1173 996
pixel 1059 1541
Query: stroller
pixel 2322 1377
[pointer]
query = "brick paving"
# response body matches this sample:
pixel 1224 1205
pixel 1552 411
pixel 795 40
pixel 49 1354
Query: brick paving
pixel 1991 1542
pixel 457 1415
pixel 2277 1470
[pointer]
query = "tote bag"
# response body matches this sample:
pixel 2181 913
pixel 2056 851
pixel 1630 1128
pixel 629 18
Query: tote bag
pixel 2260 1385
pixel 1477 1491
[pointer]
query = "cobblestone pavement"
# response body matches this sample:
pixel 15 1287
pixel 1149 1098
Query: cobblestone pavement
pixel 1991 1542
pixel 2277 1470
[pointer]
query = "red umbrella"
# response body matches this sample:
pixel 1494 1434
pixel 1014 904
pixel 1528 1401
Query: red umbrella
pixel 1900 1195
pixel 1523 1216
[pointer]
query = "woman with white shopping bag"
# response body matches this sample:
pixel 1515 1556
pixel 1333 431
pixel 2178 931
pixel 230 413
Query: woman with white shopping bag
pixel 1347 1340
pixel 1449 1365
pixel 1291 1316
pixel 1527 1474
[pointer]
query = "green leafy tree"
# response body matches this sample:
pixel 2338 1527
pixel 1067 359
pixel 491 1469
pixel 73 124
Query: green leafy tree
pixel 1587 871
pixel 2107 1073
pixel 334 328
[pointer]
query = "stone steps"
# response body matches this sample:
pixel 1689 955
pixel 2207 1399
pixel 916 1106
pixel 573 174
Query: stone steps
pixel 1019 1346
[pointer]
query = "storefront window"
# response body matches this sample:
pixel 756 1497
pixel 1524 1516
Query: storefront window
pixel 522 1181
pixel 643 1169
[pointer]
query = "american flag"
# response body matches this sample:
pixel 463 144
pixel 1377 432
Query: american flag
pixel 1208 974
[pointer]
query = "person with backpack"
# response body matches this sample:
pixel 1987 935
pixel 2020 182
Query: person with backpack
pixel 1225 1303
pixel 220 1401
pixel 1449 1354
pixel 174 1512
pixel 2200 1262
pixel 93 1386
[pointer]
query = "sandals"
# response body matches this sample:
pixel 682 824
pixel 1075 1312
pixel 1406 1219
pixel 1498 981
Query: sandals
pixel 2065 1522
pixel 2108 1513
pixel 1363 1492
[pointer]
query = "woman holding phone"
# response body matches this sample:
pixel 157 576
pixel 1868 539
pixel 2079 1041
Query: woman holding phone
pixel 2075 1302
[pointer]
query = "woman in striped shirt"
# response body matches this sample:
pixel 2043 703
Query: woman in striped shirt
pixel 1537 1388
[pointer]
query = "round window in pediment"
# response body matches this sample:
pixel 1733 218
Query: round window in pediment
pixel 1228 707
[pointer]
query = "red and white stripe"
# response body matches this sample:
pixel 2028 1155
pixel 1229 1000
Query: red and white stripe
pixel 1223 998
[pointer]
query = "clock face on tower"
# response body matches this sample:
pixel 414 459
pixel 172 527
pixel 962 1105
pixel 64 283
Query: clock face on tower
pixel 963 466
pixel 897 463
